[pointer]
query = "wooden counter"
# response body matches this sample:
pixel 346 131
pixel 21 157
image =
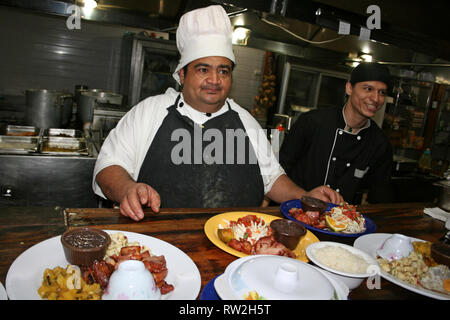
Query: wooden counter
pixel 20 228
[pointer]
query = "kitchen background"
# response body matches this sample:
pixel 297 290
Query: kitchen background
pixel 127 48
pixel 41 53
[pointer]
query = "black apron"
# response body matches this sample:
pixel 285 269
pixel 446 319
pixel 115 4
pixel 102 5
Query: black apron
pixel 198 183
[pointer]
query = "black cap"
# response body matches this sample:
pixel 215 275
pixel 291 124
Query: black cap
pixel 370 71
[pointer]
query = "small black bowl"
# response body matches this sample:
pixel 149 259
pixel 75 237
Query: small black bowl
pixel 313 204
pixel 440 252
pixel 287 232
pixel 82 246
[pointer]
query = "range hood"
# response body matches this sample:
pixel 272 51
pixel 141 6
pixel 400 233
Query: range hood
pixel 416 25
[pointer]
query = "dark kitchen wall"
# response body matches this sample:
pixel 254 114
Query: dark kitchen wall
pixel 39 51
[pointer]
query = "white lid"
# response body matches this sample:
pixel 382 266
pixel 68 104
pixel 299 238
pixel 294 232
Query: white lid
pixel 278 278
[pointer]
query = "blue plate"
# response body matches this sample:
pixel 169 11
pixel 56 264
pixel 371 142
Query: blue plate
pixel 285 206
pixel 209 292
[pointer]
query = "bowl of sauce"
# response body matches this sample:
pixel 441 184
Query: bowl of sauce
pixel 313 204
pixel 82 246
pixel 287 232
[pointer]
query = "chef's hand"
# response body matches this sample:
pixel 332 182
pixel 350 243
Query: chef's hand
pixel 326 194
pixel 137 196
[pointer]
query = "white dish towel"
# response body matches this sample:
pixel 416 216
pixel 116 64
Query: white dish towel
pixel 439 214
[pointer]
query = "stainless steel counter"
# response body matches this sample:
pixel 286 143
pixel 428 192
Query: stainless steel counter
pixel 46 180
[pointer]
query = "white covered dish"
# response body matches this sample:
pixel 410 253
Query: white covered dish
pixel 276 278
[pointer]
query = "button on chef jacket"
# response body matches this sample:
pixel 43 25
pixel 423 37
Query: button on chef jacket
pixel 318 151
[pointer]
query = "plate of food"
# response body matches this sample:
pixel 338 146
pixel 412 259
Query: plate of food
pixel 339 220
pixel 415 270
pixel 269 277
pixel 3 295
pixel 246 233
pixel 39 272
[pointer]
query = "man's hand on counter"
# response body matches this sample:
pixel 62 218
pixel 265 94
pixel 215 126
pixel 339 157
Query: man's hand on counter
pixel 137 196
pixel 118 186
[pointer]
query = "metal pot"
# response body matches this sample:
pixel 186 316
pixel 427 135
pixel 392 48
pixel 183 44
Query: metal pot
pixel 444 195
pixel 67 101
pixel 87 100
pixel 79 88
pixel 47 108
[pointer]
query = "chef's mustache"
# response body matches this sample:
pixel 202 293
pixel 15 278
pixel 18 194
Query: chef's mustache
pixel 212 87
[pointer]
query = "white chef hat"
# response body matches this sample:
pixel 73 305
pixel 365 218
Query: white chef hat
pixel 204 32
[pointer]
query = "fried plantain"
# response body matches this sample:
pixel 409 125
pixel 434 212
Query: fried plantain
pixel 226 235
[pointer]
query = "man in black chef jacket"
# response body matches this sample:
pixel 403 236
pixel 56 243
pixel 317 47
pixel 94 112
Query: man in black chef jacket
pixel 173 149
pixel 341 147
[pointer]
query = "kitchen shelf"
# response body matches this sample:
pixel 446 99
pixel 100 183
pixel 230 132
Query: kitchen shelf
pixel 440 145
pixel 405 118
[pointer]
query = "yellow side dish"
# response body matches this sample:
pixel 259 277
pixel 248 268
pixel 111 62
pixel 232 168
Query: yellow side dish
pixel 67 284
pixel 253 295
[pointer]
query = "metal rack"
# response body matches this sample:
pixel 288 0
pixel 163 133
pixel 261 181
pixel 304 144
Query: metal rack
pixel 405 118
pixel 440 144
pixel 304 88
pixel 148 67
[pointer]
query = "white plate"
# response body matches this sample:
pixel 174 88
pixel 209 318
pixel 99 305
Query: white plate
pixel 25 273
pixel 369 259
pixel 3 295
pixel 371 242
pixel 221 286
pixel 224 291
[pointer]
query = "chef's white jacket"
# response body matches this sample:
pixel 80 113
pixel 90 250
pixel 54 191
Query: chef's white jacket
pixel 127 144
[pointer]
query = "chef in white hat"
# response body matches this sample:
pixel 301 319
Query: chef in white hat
pixel 202 33
pixel 174 149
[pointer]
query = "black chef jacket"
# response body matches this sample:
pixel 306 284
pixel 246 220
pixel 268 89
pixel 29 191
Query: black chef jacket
pixel 318 151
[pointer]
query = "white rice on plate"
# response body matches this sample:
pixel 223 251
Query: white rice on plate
pixel 340 259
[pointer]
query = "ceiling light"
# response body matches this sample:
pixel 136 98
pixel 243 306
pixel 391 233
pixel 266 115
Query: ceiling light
pixel 366 57
pixel 352 64
pixel 88 8
pixel 90 4
pixel 353 55
pixel 354 58
pixel 241 35
pixel 365 49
